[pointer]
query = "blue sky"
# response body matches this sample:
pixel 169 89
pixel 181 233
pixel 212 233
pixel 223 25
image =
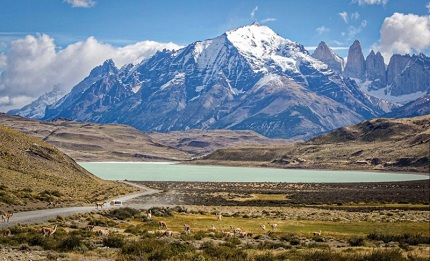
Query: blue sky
pixel 79 34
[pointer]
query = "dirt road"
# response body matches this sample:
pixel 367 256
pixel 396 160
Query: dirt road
pixel 46 214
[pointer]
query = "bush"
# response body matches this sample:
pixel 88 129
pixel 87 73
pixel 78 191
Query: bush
pixel 114 240
pixel 402 239
pixel 356 241
pixel 381 255
pixel 70 243
pixel 123 213
pixel 152 249
pixel 223 252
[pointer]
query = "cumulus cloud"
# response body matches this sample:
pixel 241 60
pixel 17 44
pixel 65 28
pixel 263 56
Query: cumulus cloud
pixel 81 3
pixel 3 61
pixel 404 33
pixel 370 2
pixel 34 65
pixel 322 29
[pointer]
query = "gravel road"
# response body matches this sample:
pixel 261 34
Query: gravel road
pixel 44 215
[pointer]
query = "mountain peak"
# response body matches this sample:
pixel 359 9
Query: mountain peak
pixel 326 55
pixel 355 65
pixel 261 45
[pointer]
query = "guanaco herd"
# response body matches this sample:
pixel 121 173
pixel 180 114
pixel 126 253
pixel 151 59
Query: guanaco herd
pixel 234 231
pixel 162 227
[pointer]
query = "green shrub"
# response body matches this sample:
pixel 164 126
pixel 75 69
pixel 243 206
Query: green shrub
pixel 223 252
pixel 70 243
pixel 114 240
pixel 356 241
pixel 385 255
pixel 123 213
pixel 402 239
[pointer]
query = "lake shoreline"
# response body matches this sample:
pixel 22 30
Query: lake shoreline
pixel 216 173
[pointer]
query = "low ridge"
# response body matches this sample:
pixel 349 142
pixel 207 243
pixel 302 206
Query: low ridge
pixel 377 144
pixel 33 173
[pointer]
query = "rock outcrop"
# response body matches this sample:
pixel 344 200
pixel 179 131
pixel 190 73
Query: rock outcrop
pixel 326 55
pixel 355 64
pixel 376 70
pixel 408 74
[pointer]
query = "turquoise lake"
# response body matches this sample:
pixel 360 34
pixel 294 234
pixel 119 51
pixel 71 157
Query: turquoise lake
pixel 175 172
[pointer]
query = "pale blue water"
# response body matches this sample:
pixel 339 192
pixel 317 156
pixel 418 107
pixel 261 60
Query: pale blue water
pixel 175 172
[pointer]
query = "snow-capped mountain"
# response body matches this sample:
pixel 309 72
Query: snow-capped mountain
pixel 247 78
pixel 36 109
pixel 325 54
pixel 405 79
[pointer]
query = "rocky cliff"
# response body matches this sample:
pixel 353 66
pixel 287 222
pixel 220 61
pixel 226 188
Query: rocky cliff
pixel 355 65
pixel 326 55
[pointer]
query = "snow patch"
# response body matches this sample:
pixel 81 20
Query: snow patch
pixel 385 93
pixel 266 79
pixel 178 79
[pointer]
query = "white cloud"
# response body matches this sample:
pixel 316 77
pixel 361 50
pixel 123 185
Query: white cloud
pixel 81 3
pixel 355 16
pixel 3 61
pixel 404 33
pixel 253 12
pixel 344 16
pixel 322 29
pixel 354 30
pixel 370 2
pixel 34 64
pixel 268 20
pixel 428 7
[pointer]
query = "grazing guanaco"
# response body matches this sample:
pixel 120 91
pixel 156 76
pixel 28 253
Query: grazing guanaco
pixel 162 224
pixel 187 229
pixel 167 233
pixel 149 215
pixel 317 233
pixel 274 226
pixel 219 217
pixel 100 204
pixel 227 234
pixel 244 234
pixel 53 203
pixel 47 231
pixel 6 216
pixel 236 230
pixel 90 227
pixel 263 227
pixel 103 232
pixel 213 227
pixel 7 232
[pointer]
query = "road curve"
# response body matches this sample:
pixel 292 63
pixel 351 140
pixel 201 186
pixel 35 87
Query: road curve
pixel 44 215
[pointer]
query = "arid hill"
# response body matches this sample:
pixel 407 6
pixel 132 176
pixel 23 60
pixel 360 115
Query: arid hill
pixel 115 142
pixel 377 144
pixel 33 173
pixel 95 142
pixel 202 142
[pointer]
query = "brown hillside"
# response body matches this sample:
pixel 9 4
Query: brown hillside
pixel 95 142
pixel 201 142
pixel 377 144
pixel 33 172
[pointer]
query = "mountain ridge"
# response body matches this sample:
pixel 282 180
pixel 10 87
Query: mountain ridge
pixel 380 144
pixel 233 81
pixel 247 78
